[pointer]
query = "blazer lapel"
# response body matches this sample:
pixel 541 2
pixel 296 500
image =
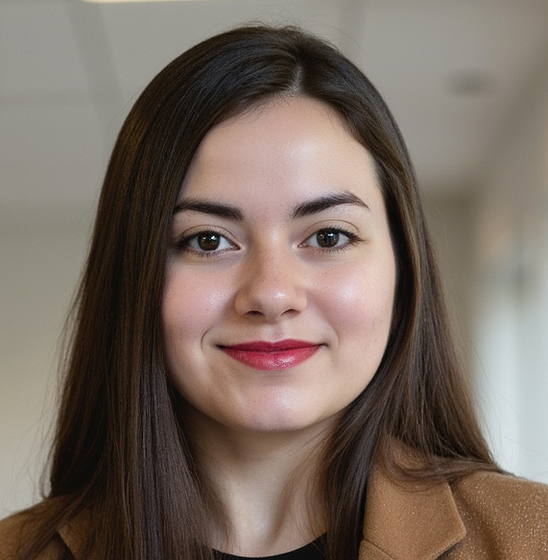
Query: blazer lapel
pixel 409 521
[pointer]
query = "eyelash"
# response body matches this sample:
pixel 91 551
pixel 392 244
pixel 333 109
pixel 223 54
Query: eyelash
pixel 183 244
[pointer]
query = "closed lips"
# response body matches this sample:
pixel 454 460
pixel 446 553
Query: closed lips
pixel 266 356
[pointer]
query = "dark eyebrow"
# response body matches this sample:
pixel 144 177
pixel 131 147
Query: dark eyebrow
pixel 308 208
pixel 325 202
pixel 206 207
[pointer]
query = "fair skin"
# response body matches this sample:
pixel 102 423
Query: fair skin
pixel 277 308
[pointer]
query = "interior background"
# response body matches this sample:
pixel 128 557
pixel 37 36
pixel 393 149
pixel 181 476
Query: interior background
pixel 466 79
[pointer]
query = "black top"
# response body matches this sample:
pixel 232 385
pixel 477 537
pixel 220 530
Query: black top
pixel 312 551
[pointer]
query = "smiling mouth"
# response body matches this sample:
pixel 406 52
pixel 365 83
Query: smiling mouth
pixel 271 356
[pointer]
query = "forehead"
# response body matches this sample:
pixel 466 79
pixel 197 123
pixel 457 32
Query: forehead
pixel 293 142
pixel 281 117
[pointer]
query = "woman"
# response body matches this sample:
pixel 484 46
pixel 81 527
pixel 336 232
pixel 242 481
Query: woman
pixel 261 364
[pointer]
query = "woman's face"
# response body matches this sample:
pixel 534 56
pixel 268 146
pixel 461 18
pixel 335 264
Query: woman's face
pixel 281 273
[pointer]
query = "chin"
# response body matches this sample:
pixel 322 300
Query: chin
pixel 290 423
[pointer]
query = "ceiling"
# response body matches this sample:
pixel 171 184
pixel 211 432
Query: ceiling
pixel 454 72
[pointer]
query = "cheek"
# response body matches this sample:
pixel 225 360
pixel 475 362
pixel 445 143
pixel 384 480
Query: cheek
pixel 192 306
pixel 361 301
pixel 191 302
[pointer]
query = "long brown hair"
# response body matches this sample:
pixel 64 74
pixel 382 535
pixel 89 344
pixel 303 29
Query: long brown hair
pixel 120 452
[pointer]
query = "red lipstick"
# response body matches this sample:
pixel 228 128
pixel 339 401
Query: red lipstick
pixel 271 356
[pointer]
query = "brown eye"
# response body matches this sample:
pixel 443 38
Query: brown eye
pixel 206 242
pixel 331 239
pixel 327 238
pixel 209 241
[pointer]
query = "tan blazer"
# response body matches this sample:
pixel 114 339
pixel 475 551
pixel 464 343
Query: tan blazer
pixel 485 516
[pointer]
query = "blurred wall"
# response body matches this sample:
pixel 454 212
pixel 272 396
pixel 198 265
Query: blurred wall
pixel 492 244
pixel 39 265
pixel 510 304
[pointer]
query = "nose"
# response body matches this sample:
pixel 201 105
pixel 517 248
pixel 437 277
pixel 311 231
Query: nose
pixel 271 286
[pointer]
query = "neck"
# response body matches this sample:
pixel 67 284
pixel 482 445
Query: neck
pixel 266 484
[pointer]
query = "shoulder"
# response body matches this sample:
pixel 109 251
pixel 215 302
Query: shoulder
pixel 503 513
pixel 502 496
pixel 494 489
pixel 17 531
pixel 481 515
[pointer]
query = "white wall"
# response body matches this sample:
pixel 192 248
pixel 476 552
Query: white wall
pixel 39 265
pixel 511 303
